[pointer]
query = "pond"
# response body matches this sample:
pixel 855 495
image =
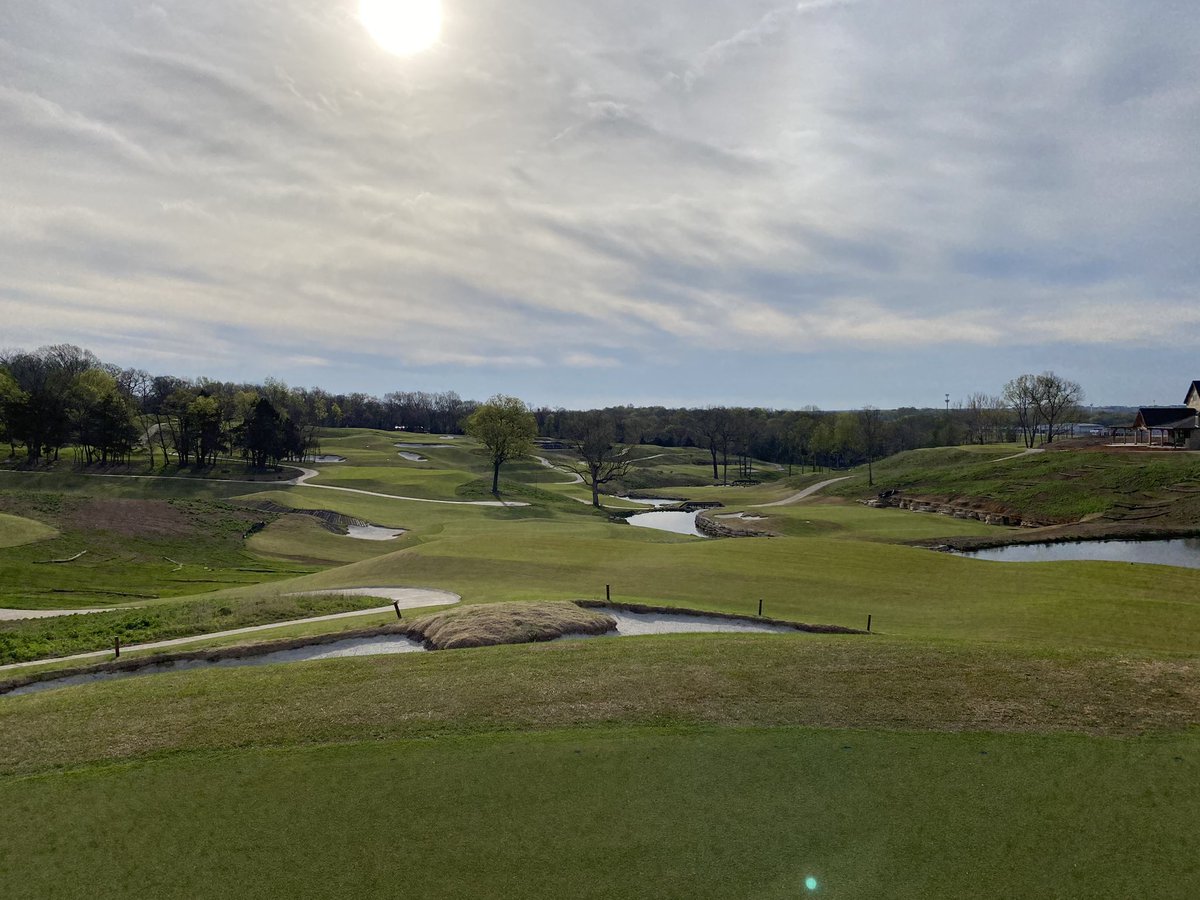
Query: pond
pixel 656 502
pixel 675 522
pixel 1183 552
pixel 363 646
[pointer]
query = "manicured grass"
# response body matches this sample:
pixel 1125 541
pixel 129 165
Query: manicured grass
pixel 715 680
pixel 1015 730
pixel 303 539
pixel 836 581
pixel 626 813
pixel 16 531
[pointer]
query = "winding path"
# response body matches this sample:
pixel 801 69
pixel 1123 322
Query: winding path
pixel 807 492
pixel 577 478
pixel 1030 452
pixel 407 598
pixel 302 479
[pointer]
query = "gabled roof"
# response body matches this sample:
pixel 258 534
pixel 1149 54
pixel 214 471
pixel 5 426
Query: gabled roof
pixel 1166 417
pixel 1195 387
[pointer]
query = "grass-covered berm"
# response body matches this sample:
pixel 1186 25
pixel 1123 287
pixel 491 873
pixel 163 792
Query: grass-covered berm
pixel 1008 730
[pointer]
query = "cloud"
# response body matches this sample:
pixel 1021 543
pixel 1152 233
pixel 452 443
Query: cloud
pixel 614 182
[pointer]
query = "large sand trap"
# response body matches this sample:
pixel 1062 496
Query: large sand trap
pixel 373 533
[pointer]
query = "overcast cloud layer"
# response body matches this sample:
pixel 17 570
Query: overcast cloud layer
pixel 685 201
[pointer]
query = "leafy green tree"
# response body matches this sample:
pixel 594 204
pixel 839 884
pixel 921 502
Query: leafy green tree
pixel 506 427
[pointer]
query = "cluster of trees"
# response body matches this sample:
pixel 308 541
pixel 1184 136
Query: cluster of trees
pixel 62 396
pixel 1040 404
pixel 507 429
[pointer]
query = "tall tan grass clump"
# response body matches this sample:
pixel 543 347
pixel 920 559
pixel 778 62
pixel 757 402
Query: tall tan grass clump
pixel 506 623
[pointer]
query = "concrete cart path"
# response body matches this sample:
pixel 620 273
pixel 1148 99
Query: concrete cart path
pixel 807 492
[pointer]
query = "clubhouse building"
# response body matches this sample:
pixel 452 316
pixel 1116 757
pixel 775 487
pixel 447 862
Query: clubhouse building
pixel 1169 426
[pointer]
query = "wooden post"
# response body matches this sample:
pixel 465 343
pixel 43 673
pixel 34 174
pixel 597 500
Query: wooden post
pixel 117 647
pixel 868 624
pixel 608 593
pixel 760 608
pixel 396 606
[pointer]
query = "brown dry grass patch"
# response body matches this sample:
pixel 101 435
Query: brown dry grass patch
pixel 506 623
pixel 130 518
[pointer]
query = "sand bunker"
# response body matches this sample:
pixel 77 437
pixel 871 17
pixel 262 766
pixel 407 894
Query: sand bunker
pixel 471 626
pixel 412 457
pixel 373 533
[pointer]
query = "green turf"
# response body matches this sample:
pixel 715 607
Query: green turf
pixel 614 767
pixel 16 531
pixel 623 813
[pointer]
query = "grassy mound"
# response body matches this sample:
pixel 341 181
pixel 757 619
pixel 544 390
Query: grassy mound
pixel 507 623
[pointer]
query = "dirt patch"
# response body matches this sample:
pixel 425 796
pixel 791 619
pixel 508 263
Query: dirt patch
pixel 506 623
pixel 129 518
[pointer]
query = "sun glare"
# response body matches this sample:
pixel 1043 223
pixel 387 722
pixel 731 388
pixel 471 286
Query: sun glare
pixel 402 26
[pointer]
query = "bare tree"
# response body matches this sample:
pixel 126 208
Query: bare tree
pixel 870 426
pixel 1057 399
pixel 601 460
pixel 1021 395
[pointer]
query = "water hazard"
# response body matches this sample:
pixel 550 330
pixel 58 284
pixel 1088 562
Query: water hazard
pixel 365 646
pixel 628 624
pixel 675 522
pixel 1183 552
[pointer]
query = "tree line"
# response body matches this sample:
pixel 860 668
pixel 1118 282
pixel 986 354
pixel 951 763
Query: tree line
pixel 63 396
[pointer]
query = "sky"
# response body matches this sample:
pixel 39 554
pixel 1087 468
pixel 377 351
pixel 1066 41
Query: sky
pixel 684 202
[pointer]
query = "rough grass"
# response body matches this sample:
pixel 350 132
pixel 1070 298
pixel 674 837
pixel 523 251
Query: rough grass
pixel 715 680
pixel 31 639
pixel 506 623
pixel 133 549
pixel 1053 487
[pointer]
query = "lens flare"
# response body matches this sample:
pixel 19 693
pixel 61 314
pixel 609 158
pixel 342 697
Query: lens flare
pixel 810 883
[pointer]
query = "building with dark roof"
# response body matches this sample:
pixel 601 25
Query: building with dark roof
pixel 1170 426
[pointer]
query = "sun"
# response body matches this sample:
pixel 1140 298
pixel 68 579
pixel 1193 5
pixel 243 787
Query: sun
pixel 402 26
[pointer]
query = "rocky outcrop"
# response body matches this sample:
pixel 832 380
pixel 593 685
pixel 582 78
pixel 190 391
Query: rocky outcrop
pixel 957 511
pixel 711 527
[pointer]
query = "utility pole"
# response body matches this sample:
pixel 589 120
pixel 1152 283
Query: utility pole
pixel 947 404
